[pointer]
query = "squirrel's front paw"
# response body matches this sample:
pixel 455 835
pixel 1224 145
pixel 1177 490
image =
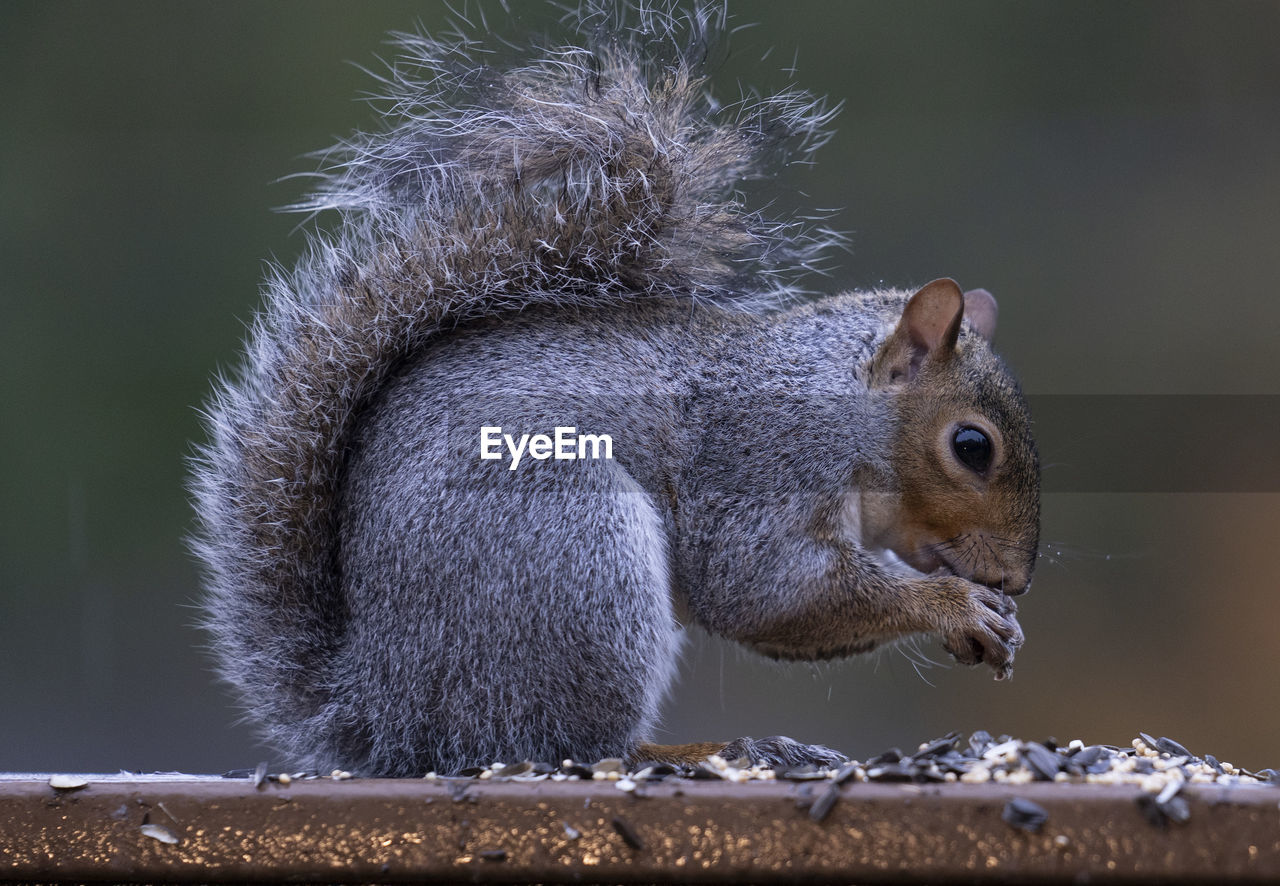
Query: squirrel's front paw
pixel 980 626
pixel 778 751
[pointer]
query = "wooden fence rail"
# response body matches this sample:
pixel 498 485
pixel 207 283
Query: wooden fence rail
pixel 184 829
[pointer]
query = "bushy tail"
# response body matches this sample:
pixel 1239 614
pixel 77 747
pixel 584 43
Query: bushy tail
pixel 598 172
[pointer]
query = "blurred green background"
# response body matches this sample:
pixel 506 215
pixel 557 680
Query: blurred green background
pixel 1110 170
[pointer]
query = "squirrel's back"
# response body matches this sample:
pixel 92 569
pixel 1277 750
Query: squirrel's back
pixel 595 173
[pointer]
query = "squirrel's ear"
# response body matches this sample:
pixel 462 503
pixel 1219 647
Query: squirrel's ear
pixel 929 326
pixel 927 330
pixel 931 319
pixel 980 310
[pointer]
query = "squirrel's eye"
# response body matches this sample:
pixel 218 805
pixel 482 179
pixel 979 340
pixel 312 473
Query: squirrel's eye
pixel 973 448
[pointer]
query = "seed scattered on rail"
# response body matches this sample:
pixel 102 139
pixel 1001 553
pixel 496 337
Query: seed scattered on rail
pixel 160 832
pixel 68 782
pixel 1025 815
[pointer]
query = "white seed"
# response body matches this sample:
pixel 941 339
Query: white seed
pixel 68 782
pixel 1006 751
pixel 1174 783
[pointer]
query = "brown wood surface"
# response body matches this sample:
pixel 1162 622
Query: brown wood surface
pixel 673 831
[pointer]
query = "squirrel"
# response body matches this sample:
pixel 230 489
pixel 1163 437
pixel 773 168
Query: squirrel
pixel 548 393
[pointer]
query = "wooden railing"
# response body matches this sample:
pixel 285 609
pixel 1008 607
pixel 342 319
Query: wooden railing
pixel 175 828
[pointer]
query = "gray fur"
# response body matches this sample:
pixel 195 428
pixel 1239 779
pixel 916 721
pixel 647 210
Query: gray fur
pixel 551 245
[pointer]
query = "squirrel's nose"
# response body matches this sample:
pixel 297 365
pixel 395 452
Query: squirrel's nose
pixel 1008 583
pixel 1005 574
pixel 1015 592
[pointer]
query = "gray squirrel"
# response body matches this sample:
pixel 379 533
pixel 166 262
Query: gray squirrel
pixel 546 394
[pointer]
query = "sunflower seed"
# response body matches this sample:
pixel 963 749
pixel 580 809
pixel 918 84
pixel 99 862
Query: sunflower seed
pixel 980 742
pixel 1176 809
pixel 1025 815
pixel 822 806
pixel 1086 756
pixel 846 772
pixel 807 772
pixel 937 747
pixel 159 832
pixel 1169 791
pixel 1151 810
pixel 627 833
pixel 1042 761
pixel 902 771
pixel 1172 748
